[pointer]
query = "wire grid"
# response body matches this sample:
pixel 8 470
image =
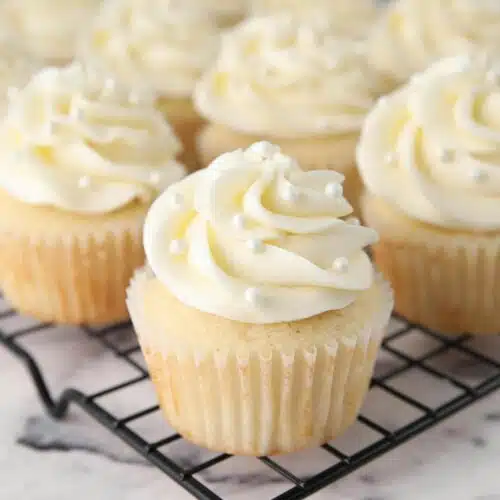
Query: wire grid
pixel 157 452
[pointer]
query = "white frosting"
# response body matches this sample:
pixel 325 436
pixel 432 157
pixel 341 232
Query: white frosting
pixel 415 33
pixel 163 45
pixel 348 17
pixel 48 29
pixel 254 238
pixel 282 77
pixel 72 143
pixel 432 149
pixel 16 69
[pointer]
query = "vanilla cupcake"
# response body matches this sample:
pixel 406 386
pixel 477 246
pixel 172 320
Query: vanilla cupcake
pixel 430 157
pixel 293 83
pixel 258 305
pixel 80 164
pixel 413 34
pixel 158 45
pixel 48 29
pixel 16 68
pixel 353 18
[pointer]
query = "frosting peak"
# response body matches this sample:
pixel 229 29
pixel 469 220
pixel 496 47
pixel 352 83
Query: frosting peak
pixel 81 144
pixel 254 238
pixel 282 77
pixel 163 45
pixel 432 149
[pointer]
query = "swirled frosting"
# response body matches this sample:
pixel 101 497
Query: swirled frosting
pixel 281 77
pixel 432 149
pixel 348 17
pixel 163 45
pixel 254 238
pixel 48 29
pixel 16 69
pixel 72 143
pixel 415 33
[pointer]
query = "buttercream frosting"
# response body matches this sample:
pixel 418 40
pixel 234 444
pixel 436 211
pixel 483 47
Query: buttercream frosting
pixel 432 149
pixel 283 77
pixel 256 239
pixel 415 33
pixel 348 17
pixel 48 29
pixel 79 144
pixel 163 45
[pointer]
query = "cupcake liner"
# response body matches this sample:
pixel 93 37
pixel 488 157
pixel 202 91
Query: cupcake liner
pixel 443 280
pixel 248 402
pixel 320 153
pixel 70 274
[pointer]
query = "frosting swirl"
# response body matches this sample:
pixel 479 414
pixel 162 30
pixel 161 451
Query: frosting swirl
pixel 415 33
pixel 432 149
pixel 158 44
pixel 254 238
pixel 348 17
pixel 282 77
pixel 82 146
pixel 48 29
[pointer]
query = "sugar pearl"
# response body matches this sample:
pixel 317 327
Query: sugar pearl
pixel 341 265
pixel 177 247
pixel 239 221
pixel 256 246
pixel 289 193
pixel 84 182
pixel 334 190
pixel 253 296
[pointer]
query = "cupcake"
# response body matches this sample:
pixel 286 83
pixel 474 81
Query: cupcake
pixel 80 164
pixel 16 68
pixel 413 34
pixel 158 45
pixel 258 304
pixel 48 29
pixel 292 83
pixel 429 155
pixel 353 18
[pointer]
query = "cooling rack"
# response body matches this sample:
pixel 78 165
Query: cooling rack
pixel 427 361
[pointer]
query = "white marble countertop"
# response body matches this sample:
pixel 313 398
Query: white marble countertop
pixel 456 460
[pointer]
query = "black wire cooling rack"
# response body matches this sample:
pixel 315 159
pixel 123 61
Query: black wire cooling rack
pixel 426 358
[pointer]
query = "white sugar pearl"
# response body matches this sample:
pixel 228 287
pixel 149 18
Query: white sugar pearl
pixel 341 265
pixel 84 182
pixel 253 296
pixel 256 246
pixel 239 221
pixel 177 247
pixel 289 193
pixel 334 190
pixel 264 149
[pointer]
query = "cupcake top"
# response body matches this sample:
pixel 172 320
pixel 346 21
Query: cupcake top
pixel 432 149
pixel 16 68
pixel 163 45
pixel 349 17
pixel 70 142
pixel 282 77
pixel 254 238
pixel 48 29
pixel 415 33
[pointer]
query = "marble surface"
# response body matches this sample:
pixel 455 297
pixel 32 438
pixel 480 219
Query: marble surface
pixel 45 460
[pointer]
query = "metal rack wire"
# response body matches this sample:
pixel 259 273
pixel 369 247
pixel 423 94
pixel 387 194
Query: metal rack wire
pixel 465 392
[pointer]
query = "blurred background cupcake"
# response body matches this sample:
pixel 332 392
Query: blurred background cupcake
pixel 80 163
pixel 430 157
pixel 162 46
pixel 258 306
pixel 353 18
pixel 412 34
pixel 294 83
pixel 48 29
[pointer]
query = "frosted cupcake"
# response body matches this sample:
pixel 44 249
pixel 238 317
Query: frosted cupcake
pixel 430 157
pixel 259 305
pixel 16 68
pixel 158 45
pixel 414 33
pixel 353 18
pixel 80 164
pixel 293 83
pixel 48 29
